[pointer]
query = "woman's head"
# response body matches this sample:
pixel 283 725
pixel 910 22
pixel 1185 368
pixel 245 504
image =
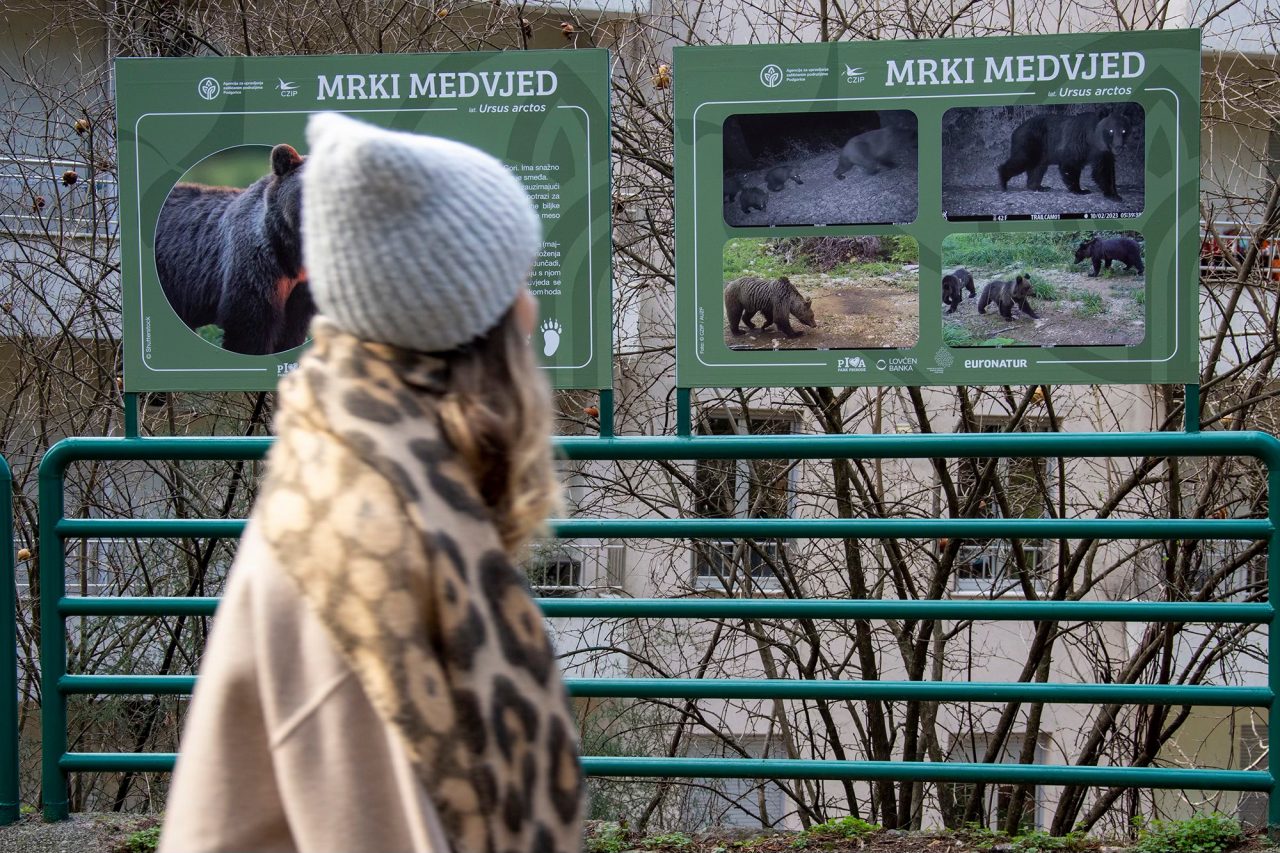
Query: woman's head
pixel 412 240
pixel 426 244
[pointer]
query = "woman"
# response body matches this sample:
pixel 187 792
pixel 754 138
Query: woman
pixel 378 679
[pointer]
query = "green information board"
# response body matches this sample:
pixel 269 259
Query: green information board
pixel 223 122
pixel 962 211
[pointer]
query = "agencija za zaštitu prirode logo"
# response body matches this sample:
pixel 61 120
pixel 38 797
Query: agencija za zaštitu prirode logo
pixel 770 75
pixel 208 88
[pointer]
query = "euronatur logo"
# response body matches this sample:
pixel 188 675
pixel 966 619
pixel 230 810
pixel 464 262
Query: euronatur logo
pixel 209 88
pixel 287 90
pixel 771 75
pixel 854 75
pixel 853 363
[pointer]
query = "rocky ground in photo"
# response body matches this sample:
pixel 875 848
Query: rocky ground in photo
pixel 981 198
pixel 889 196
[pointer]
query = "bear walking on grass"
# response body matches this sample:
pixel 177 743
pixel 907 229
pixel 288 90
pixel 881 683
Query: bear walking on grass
pixel 1122 249
pixel 233 257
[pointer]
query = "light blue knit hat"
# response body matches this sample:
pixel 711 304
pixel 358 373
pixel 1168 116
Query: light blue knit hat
pixel 411 240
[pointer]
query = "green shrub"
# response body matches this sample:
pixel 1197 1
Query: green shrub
pixel 1213 833
pixel 669 841
pixel 1029 249
pixel 609 838
pixel 955 335
pixel 211 333
pixel 1042 842
pixel 1090 304
pixel 837 829
pixel 142 841
pixel 1042 289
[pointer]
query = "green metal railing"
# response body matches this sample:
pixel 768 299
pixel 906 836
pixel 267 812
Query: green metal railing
pixel 56 607
pixel 9 794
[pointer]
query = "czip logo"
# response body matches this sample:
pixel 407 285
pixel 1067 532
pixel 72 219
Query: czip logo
pixel 854 75
pixel 287 90
pixel 851 364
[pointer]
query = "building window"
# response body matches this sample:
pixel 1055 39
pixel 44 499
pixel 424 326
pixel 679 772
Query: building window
pixel 742 488
pixel 990 566
pixel 997 800
pixel 556 569
pixel 1251 809
pixel 739 803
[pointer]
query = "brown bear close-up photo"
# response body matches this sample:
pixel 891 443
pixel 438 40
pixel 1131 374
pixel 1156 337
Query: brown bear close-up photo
pixel 229 250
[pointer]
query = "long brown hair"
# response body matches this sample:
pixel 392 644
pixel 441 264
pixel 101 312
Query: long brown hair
pixel 496 412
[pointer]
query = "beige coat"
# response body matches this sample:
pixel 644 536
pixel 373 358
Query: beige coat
pixel 282 750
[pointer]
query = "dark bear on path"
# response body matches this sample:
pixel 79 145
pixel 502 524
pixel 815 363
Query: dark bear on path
pixel 234 257
pixel 732 186
pixel 779 175
pixel 873 151
pixel 776 298
pixel 1006 294
pixel 952 287
pixel 1122 249
pixel 1071 142
pixel 752 197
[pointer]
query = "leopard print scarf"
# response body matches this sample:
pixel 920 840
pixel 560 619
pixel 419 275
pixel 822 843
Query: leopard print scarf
pixel 367 509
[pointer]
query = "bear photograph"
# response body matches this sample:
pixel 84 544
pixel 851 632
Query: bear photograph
pixel 1065 160
pixel 820 168
pixel 822 293
pixel 228 250
pixel 1066 288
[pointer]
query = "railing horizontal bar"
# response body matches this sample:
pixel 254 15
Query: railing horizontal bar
pixel 942 691
pixel 94 605
pixel 755 688
pixel 780 608
pixel 143 685
pixel 1260 445
pixel 782 768
pixel 946 609
pixel 764 528
pixel 912 528
pixel 778 768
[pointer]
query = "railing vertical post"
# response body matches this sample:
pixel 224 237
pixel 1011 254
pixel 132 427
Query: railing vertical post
pixel 130 415
pixel 53 642
pixel 10 796
pixel 684 412
pixel 606 413
pixel 1273 645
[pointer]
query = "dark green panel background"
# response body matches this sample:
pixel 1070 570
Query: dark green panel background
pixel 166 127
pixel 713 83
